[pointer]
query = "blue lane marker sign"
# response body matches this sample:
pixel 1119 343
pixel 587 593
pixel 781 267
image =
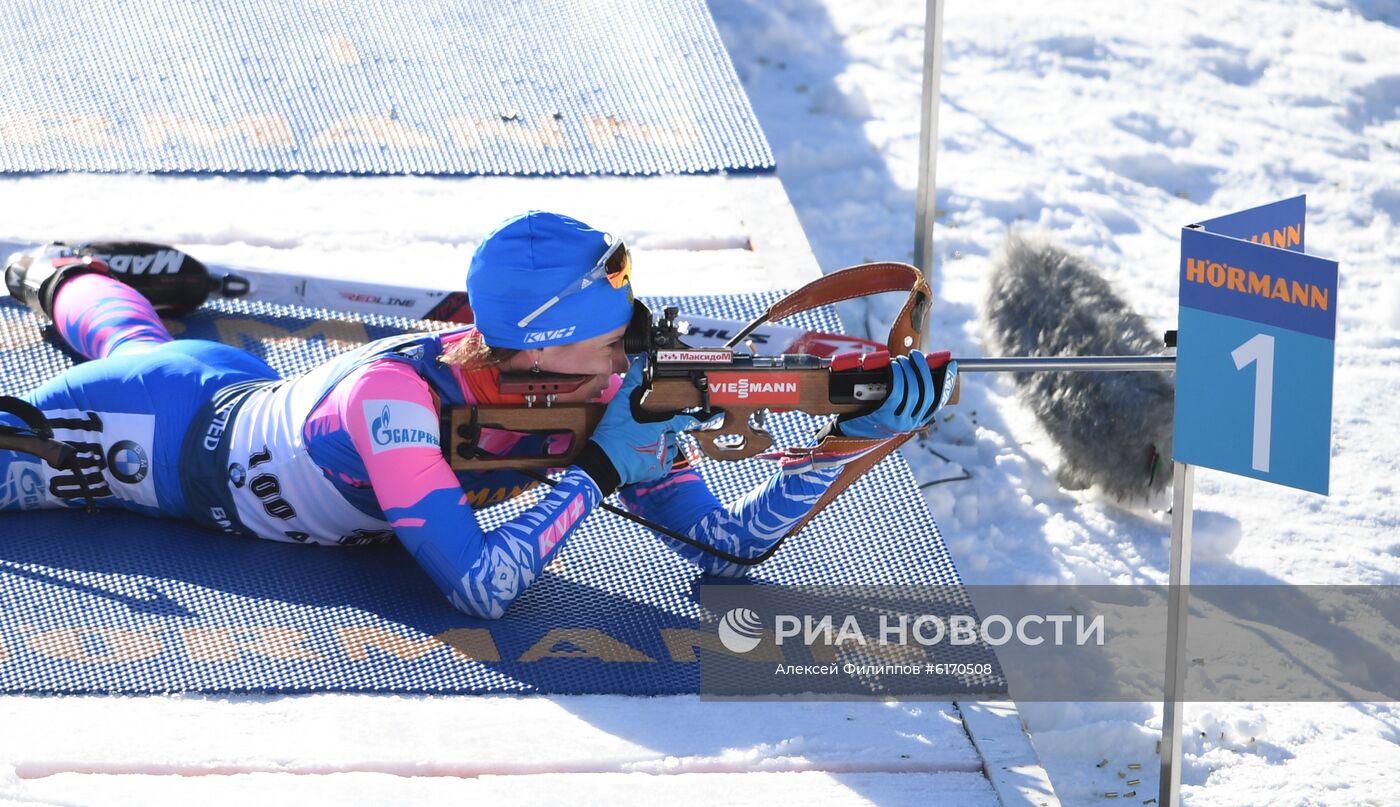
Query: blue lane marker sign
pixel 1255 348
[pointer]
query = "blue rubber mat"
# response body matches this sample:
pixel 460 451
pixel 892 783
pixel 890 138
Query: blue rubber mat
pixel 372 87
pixel 121 603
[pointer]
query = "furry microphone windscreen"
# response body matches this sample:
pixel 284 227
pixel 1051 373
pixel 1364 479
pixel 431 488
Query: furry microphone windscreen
pixel 1114 429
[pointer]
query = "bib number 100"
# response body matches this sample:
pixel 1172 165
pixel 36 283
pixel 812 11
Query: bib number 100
pixel 268 489
pixel 1259 351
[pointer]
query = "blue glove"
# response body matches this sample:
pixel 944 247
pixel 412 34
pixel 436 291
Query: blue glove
pixel 917 392
pixel 632 445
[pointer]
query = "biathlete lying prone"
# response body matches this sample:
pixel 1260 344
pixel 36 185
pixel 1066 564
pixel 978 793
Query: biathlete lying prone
pixel 349 453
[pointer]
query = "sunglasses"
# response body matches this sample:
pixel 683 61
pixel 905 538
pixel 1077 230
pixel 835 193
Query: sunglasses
pixel 615 265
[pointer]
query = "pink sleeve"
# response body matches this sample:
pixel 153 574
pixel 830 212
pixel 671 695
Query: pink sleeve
pixel 393 424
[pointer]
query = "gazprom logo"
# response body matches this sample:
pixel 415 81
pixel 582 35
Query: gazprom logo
pixel 400 424
pixel 23 487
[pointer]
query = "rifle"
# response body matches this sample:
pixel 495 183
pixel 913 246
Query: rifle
pixel 744 387
pixel 740 387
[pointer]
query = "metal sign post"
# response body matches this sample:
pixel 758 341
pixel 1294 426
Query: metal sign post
pixel 1250 300
pixel 928 139
pixel 1178 603
pixel 1178 606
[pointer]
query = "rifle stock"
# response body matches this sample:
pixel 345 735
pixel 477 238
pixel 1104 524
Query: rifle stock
pixel 742 392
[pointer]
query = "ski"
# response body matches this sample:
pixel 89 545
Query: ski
pixel 350 296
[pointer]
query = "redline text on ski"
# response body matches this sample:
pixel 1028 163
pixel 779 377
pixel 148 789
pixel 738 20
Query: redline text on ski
pixel 957 630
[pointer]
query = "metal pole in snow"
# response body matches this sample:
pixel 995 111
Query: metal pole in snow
pixel 1178 605
pixel 1178 601
pixel 924 206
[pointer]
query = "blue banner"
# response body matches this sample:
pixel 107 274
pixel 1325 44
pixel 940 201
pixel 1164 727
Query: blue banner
pixel 1255 349
pixel 1263 284
pixel 1278 224
pixel 1218 397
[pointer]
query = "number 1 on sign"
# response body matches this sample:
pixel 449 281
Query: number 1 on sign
pixel 1260 350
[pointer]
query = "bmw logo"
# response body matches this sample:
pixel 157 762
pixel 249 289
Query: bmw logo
pixel 237 475
pixel 128 462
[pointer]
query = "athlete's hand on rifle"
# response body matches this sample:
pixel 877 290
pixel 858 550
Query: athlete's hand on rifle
pixel 631 445
pixel 919 386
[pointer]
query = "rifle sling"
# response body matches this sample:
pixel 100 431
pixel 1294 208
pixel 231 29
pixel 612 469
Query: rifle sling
pixel 906 334
pixel 37 439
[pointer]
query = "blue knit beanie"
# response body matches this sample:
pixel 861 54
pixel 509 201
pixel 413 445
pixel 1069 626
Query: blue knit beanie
pixel 526 261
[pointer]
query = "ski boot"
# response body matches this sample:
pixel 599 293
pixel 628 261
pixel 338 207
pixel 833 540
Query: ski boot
pixel 33 277
pixel 173 282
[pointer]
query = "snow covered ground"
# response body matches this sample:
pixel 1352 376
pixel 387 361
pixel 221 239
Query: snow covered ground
pixel 1106 125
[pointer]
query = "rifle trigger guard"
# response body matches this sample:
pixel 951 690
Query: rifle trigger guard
pixel 745 440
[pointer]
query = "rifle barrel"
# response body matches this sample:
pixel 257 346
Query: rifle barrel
pixel 1033 364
